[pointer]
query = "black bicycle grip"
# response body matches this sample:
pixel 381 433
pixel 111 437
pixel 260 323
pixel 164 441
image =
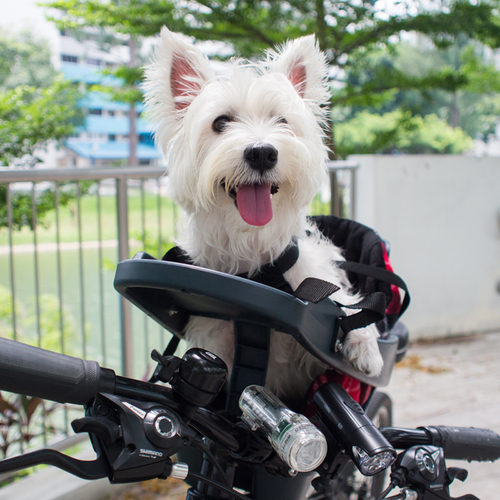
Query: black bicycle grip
pixel 466 443
pixel 32 371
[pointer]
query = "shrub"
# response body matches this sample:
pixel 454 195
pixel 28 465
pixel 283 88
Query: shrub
pixel 398 132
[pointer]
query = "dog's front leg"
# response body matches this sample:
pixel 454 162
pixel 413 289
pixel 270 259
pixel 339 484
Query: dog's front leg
pixel 361 350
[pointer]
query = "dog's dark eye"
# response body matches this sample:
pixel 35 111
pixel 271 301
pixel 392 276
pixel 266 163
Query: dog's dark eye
pixel 220 123
pixel 282 119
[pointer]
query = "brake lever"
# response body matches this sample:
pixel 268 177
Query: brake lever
pixel 86 469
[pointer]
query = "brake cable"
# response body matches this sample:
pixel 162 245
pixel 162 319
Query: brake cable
pixel 216 484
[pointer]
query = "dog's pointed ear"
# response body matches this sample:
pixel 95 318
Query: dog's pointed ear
pixel 176 76
pixel 305 66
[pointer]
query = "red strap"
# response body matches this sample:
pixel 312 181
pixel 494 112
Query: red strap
pixel 359 391
pixel 394 305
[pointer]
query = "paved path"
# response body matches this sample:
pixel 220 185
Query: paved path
pixel 454 382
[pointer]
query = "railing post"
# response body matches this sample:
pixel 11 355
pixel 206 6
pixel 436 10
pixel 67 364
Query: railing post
pixel 337 188
pixel 353 193
pixel 335 198
pixel 10 219
pixel 123 254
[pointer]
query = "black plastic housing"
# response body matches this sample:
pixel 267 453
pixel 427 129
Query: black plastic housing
pixel 347 421
pixel 170 292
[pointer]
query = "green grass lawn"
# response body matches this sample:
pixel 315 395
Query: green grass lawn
pixel 150 218
pixel 146 214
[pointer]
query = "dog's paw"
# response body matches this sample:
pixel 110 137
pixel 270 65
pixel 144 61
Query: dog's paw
pixel 361 350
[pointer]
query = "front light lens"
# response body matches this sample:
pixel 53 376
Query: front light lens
pixel 371 465
pixel 303 447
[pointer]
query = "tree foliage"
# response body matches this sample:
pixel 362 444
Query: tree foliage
pixel 36 105
pixel 399 132
pixel 350 33
pixel 21 203
pixel 343 28
pixel 127 91
pixel 32 116
pixel 22 64
pixel 474 107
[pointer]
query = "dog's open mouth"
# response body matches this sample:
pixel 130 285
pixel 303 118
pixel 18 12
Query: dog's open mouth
pixel 254 202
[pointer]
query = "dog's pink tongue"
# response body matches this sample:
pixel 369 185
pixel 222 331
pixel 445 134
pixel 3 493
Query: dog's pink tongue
pixel 254 203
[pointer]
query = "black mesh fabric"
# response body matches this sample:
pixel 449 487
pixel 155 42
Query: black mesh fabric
pixel 359 244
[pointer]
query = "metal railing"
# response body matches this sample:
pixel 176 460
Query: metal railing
pixel 56 272
pixel 343 188
pixel 72 252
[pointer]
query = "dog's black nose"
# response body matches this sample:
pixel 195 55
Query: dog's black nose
pixel 262 157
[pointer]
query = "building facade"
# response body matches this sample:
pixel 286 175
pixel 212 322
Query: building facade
pixel 103 139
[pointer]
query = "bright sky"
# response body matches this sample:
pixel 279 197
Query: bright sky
pixel 16 15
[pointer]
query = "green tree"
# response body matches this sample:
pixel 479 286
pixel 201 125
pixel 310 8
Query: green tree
pixel 30 117
pixel 399 132
pixel 36 107
pixel 20 64
pixel 350 33
pixel 344 29
pixel 474 108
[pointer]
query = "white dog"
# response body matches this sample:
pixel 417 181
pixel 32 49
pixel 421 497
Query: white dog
pixel 245 157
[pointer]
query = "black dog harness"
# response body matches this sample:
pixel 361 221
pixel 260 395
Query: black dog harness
pixel 269 274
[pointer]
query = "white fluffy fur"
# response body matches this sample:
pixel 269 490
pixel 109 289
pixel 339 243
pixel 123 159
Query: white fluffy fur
pixel 289 83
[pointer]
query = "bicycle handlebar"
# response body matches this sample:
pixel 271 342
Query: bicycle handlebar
pixel 461 443
pixel 467 443
pixel 32 371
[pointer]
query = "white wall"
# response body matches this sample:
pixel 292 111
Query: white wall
pixel 441 215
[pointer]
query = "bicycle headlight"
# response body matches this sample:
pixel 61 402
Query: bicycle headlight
pixel 369 465
pixel 353 430
pixel 295 439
